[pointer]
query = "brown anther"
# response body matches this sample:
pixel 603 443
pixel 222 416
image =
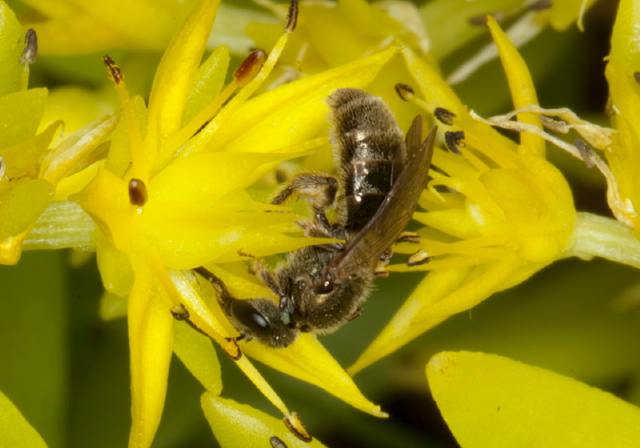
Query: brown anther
pixel 481 19
pixel 30 50
pixel 586 152
pixel 276 442
pixel 250 67
pixel 636 77
pixel 540 5
pixel 418 258
pixel 179 312
pixel 454 141
pixel 294 424
pixel 444 116
pixel 137 192
pixel 404 91
pixel 292 17
pixel 114 70
pixel 408 237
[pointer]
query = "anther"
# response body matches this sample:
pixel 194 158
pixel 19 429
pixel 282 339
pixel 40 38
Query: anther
pixel 454 141
pixel 586 152
pixel 540 5
pixel 636 77
pixel 404 91
pixel 30 47
pixel 114 70
pixel 481 19
pixel 294 424
pixel 276 442
pixel 137 192
pixel 444 116
pixel 418 258
pixel 292 17
pixel 250 67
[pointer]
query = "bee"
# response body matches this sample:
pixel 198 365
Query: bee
pixel 380 177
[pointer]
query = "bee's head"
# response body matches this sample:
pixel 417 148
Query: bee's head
pixel 261 319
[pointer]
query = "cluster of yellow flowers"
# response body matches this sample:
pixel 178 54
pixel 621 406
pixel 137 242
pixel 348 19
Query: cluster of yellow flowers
pixel 159 187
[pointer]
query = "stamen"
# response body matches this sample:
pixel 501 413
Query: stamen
pixel 444 116
pixel 540 5
pixel 454 141
pixel 586 151
pixel 114 71
pixel 419 258
pixel 138 158
pixel 250 67
pixel 137 192
pixel 294 424
pixel 481 19
pixel 292 17
pixel 404 91
pixel 30 47
pixel 277 442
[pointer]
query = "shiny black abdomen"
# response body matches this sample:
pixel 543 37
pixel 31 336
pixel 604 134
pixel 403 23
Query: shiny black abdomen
pixel 370 151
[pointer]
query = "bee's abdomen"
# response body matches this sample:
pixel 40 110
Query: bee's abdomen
pixel 370 149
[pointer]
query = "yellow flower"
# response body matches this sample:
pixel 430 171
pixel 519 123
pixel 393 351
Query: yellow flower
pixel 497 211
pixel 623 74
pixel 69 28
pixel 32 174
pixel 171 196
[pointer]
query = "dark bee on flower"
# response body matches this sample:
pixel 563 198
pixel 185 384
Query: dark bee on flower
pixel 380 177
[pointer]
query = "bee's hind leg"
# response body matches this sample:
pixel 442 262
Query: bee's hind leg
pixel 319 190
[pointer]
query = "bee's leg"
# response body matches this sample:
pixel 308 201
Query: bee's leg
pixel 381 270
pixel 317 189
pixel 182 314
pixel 356 313
pixel 224 296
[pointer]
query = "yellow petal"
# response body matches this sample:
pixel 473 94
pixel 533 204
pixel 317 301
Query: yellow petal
pixel 11 46
pixel 22 203
pixel 309 361
pixel 489 400
pixel 15 429
pixel 197 354
pixel 22 159
pixel 177 70
pixel 289 115
pixel 624 155
pixel 20 114
pixel 565 12
pixel 440 295
pixel 115 270
pixel 232 422
pixel 437 93
pixel 77 151
pixel 521 86
pixel 150 341
pixel 207 84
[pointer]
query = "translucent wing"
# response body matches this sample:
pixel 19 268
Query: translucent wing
pixel 398 206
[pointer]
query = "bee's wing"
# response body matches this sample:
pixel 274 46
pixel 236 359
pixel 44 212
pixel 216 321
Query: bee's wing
pixel 396 210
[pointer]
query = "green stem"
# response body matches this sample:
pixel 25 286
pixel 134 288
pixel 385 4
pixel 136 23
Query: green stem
pixel 597 236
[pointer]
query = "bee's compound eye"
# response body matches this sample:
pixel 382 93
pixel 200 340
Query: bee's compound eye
pixel 247 315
